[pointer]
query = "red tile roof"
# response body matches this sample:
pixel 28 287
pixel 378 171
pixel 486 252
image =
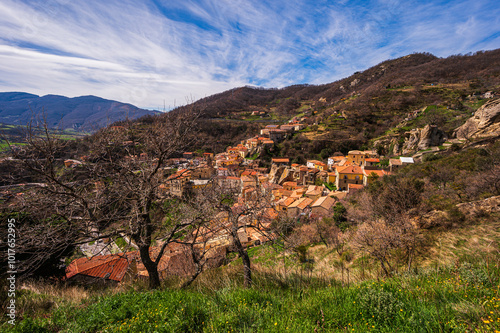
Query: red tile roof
pixel 112 267
pixel 350 169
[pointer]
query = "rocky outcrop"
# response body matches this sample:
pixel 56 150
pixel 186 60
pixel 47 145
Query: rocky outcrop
pixel 275 173
pixel 423 138
pixel 480 207
pixel 473 209
pixel 485 122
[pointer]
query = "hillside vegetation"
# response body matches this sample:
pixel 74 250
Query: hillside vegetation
pixel 353 112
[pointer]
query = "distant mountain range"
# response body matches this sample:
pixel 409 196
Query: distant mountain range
pixel 84 113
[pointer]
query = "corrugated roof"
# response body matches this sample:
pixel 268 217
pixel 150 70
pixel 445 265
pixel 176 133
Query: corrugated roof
pixel 406 159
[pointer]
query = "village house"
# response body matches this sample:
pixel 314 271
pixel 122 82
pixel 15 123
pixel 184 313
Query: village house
pixel 348 175
pixel 265 131
pixel 314 192
pixel 355 156
pixel 298 207
pixel 277 135
pixel 322 206
pixel 370 175
pixel 317 165
pixel 351 188
pixel 288 128
pixel 371 162
pixel 396 163
pixel 188 155
pixel 280 161
pixel 335 160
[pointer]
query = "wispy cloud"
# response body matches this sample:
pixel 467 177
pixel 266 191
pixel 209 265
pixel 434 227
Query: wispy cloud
pixel 144 52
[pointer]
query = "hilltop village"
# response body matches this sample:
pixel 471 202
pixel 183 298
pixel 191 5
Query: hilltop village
pixel 297 191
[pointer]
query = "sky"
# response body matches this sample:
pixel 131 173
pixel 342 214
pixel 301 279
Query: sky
pixel 152 53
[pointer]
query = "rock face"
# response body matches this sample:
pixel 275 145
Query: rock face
pixel 485 122
pixel 471 209
pixel 423 138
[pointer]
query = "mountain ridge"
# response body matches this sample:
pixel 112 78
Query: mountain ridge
pixel 83 113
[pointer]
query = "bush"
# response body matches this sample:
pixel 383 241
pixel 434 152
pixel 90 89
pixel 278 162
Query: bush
pixel 382 305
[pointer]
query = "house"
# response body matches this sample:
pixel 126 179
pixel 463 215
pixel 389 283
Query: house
pixel 178 183
pixel 322 206
pixel 277 135
pixel 265 131
pixel 351 188
pixel 314 192
pixel 371 161
pixel 406 160
pixel 332 177
pixel 290 186
pixel 283 204
pixel 396 163
pixel 370 175
pixel 188 155
pixel 298 207
pixel 355 156
pixel 348 175
pixel 288 128
pixel 335 160
pixel 317 165
pixel 306 176
pixel 268 143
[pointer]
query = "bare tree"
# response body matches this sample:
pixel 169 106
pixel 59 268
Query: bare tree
pixel 233 212
pixel 115 191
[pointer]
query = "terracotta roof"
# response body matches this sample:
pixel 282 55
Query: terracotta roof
pixel 281 160
pixel 324 202
pixel 288 201
pixel 355 186
pixel 301 203
pixel 376 160
pixel 337 194
pixel 395 161
pixel 112 267
pixel 355 152
pixel 351 169
pixel 379 173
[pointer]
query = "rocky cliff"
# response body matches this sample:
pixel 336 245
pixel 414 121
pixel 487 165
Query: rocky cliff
pixel 485 122
pixel 423 138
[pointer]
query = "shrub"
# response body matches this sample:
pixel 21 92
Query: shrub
pixel 382 305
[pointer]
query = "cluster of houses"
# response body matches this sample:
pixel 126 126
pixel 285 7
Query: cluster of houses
pixel 296 191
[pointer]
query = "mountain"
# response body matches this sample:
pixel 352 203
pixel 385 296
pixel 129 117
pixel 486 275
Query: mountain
pixel 85 113
pixel 381 104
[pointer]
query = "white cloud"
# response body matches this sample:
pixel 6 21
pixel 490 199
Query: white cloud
pixel 130 51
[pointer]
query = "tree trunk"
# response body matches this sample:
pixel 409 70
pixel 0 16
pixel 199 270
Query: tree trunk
pixel 247 270
pixel 151 267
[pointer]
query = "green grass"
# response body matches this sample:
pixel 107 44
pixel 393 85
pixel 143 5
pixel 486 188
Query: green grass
pixel 462 298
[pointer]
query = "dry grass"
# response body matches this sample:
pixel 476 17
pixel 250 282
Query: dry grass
pixel 479 240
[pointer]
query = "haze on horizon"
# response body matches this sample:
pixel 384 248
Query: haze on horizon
pixel 146 52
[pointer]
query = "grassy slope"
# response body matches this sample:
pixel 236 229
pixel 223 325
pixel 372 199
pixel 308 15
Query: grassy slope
pixel 455 289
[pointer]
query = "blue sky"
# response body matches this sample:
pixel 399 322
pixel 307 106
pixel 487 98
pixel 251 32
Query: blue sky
pixel 146 52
